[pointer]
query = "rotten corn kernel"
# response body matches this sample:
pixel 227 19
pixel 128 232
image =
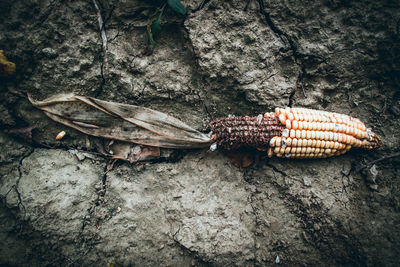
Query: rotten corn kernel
pixel 60 135
pixel 295 133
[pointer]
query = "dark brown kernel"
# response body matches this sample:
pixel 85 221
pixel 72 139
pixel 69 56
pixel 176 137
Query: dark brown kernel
pixel 235 132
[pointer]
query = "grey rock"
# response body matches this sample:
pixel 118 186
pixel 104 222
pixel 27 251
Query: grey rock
pixel 306 181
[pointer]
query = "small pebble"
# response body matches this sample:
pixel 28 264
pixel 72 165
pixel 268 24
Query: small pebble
pixel 306 181
pixel 213 147
pixel 132 227
pixel 373 187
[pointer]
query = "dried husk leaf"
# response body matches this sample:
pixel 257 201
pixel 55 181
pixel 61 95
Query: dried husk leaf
pixel 122 122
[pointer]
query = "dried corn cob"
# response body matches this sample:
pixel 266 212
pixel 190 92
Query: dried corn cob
pixel 290 132
pixel 295 133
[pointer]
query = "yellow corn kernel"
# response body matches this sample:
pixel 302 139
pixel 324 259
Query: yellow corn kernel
pixel 294 142
pixel 331 136
pixel 282 119
pixel 288 124
pixel 303 134
pixel 318 143
pixel 314 143
pixel 270 152
pixel 299 142
pixel 278 142
pixel 335 136
pixel 292 133
pixel 60 135
pixel 295 124
pixel 288 141
pixel 331 144
pixel 272 141
pixel 298 133
pixel 323 143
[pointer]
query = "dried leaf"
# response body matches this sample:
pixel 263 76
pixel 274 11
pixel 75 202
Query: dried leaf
pixel 240 158
pixel 122 122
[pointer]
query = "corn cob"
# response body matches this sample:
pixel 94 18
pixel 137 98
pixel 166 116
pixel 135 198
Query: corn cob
pixel 295 133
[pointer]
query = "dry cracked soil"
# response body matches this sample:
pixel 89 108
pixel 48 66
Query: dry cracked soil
pixel 192 207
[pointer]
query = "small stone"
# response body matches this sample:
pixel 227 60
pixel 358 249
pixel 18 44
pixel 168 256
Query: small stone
pixel 213 147
pixel 49 52
pixel 132 227
pixel 277 261
pixel 371 174
pixel 98 187
pixel 80 156
pixel 306 181
pixel 373 171
pixel 373 187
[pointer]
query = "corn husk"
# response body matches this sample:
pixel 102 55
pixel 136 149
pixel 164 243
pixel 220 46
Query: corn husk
pixel 123 122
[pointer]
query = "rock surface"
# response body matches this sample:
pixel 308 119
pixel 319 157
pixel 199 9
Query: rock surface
pixel 193 208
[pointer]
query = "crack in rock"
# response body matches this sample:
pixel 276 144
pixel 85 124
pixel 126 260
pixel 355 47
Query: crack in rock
pixel 19 178
pixel 286 40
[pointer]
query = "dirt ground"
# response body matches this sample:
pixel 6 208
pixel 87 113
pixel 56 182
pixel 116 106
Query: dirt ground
pixel 192 207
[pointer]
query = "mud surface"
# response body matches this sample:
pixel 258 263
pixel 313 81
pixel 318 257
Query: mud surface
pixel 193 208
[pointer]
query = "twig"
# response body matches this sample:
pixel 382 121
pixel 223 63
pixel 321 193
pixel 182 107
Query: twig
pixel 378 160
pixel 101 25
